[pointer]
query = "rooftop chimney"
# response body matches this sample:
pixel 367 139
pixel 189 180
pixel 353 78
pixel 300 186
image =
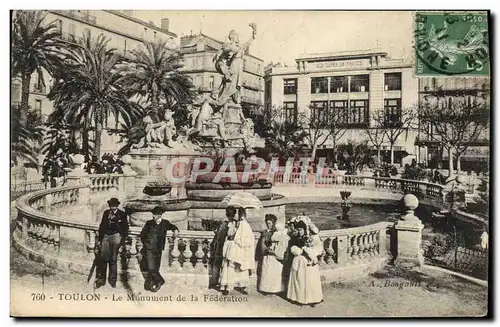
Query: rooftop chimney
pixel 165 24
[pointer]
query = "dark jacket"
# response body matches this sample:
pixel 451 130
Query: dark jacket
pixel 119 224
pixel 161 235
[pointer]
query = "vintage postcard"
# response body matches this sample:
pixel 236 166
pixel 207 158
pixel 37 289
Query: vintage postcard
pixel 250 163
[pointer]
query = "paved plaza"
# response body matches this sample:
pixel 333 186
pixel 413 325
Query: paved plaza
pixel 389 292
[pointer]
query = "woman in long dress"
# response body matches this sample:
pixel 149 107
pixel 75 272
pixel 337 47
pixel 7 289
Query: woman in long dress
pixel 271 264
pixel 304 284
pixel 238 253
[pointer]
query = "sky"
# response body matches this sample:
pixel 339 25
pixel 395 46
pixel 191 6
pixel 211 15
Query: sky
pixel 284 35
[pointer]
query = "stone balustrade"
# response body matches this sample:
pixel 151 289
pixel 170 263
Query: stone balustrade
pixel 424 190
pixel 67 244
pixel 105 182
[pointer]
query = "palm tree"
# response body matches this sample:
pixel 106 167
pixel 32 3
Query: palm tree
pixel 285 138
pixel 153 74
pixel 87 92
pixel 24 140
pixel 34 48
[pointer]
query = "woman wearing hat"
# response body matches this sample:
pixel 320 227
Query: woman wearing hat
pixel 113 232
pixel 238 253
pixel 154 240
pixel 304 284
pixel 271 258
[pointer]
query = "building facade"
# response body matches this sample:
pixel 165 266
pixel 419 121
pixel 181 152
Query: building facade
pixel 198 53
pixel 354 83
pixel 443 92
pixel 125 33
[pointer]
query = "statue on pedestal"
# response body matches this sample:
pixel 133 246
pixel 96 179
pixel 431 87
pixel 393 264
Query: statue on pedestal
pixel 229 62
pixel 158 134
pixel 218 116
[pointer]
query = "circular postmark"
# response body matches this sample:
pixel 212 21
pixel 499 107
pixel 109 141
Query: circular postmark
pixel 451 43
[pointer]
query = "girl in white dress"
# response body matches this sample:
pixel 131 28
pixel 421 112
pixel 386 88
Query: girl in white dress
pixel 304 284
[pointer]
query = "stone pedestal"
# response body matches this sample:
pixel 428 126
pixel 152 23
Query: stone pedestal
pixel 128 178
pixel 409 236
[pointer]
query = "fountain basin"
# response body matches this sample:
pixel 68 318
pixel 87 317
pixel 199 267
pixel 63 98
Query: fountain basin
pixel 190 214
pixel 217 192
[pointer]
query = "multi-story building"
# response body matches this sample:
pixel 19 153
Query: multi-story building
pixel 124 31
pixel 442 92
pixel 198 53
pixel 355 83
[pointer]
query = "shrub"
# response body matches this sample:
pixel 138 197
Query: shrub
pixel 440 245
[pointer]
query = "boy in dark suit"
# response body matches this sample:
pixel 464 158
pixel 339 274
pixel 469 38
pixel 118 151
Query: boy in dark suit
pixel 153 237
pixel 113 232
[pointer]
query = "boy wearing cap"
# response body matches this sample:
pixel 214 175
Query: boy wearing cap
pixel 153 237
pixel 113 232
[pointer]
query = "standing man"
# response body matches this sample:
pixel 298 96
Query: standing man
pixel 153 237
pixel 113 232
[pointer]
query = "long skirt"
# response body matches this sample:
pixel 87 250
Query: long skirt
pixel 304 285
pixel 231 275
pixel 271 271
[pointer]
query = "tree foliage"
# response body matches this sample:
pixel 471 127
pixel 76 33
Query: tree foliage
pixel 86 91
pixel 36 47
pixel 353 156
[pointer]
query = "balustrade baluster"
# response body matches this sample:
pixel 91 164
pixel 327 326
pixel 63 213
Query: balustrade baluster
pixel 57 238
pixel 44 237
pixel 175 264
pixel 362 248
pixel 187 254
pixel 329 252
pixel 374 243
pixel 207 251
pixel 133 245
pixel 39 234
pixel 377 243
pixel 354 248
pixel 369 244
pixel 50 238
pixel 199 254
pixel 91 241
pixel 138 247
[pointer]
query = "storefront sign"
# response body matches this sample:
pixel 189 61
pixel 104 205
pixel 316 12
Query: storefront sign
pixel 345 64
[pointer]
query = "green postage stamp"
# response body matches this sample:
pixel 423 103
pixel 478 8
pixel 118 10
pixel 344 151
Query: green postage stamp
pixel 452 43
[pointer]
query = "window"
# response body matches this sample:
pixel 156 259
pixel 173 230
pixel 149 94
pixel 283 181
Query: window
pixel 360 83
pixel 211 82
pixel 338 84
pixel 39 81
pixel 197 80
pixel 290 86
pixel 339 108
pixel 319 111
pixel 268 93
pixel 392 108
pixel 71 29
pixel 357 115
pixel 319 85
pixel 290 111
pixel 16 93
pixel 393 82
pixel 59 26
pixel 38 108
